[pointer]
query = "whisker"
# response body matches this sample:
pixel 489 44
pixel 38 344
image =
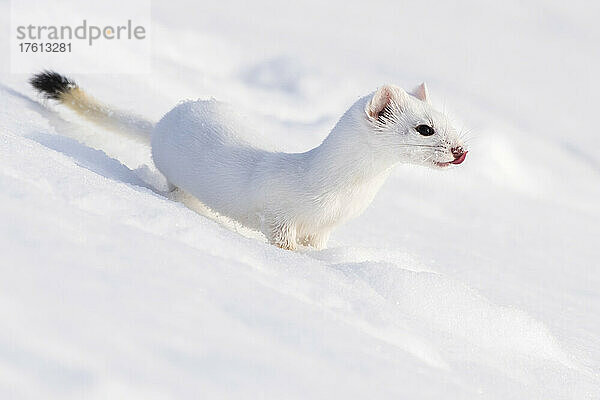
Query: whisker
pixel 428 158
pixel 420 145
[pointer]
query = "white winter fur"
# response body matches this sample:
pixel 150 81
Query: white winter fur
pixel 296 198
pixel 293 198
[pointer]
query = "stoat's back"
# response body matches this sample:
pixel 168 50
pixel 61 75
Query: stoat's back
pixel 201 146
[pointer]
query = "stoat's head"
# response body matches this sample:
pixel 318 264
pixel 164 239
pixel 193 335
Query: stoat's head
pixel 409 128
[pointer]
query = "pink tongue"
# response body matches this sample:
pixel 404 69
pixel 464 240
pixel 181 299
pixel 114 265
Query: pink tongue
pixel 461 158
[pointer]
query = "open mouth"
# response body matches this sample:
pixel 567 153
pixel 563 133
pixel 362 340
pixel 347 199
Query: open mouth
pixel 457 161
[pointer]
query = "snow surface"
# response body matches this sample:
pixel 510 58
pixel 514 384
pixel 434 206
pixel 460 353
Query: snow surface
pixel 477 282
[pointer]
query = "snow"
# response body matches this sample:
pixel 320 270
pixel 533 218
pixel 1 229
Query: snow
pixel 481 281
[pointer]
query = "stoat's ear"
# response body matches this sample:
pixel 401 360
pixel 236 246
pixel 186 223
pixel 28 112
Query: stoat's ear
pixel 421 92
pixel 382 99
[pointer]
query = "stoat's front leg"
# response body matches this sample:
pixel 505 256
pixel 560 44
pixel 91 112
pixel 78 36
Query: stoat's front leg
pixel 283 235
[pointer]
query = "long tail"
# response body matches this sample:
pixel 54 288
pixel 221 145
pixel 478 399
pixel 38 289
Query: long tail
pixel 58 87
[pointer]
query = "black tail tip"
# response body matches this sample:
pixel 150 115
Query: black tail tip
pixel 51 84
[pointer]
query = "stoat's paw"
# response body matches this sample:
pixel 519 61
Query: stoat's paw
pixel 283 235
pixel 317 240
pixel 287 246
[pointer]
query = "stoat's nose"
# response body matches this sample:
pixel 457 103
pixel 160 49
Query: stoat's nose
pixel 459 154
pixel 457 151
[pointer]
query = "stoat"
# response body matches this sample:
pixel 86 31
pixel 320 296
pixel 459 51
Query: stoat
pixel 293 198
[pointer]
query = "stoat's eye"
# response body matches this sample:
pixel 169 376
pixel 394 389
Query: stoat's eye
pixel 425 130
